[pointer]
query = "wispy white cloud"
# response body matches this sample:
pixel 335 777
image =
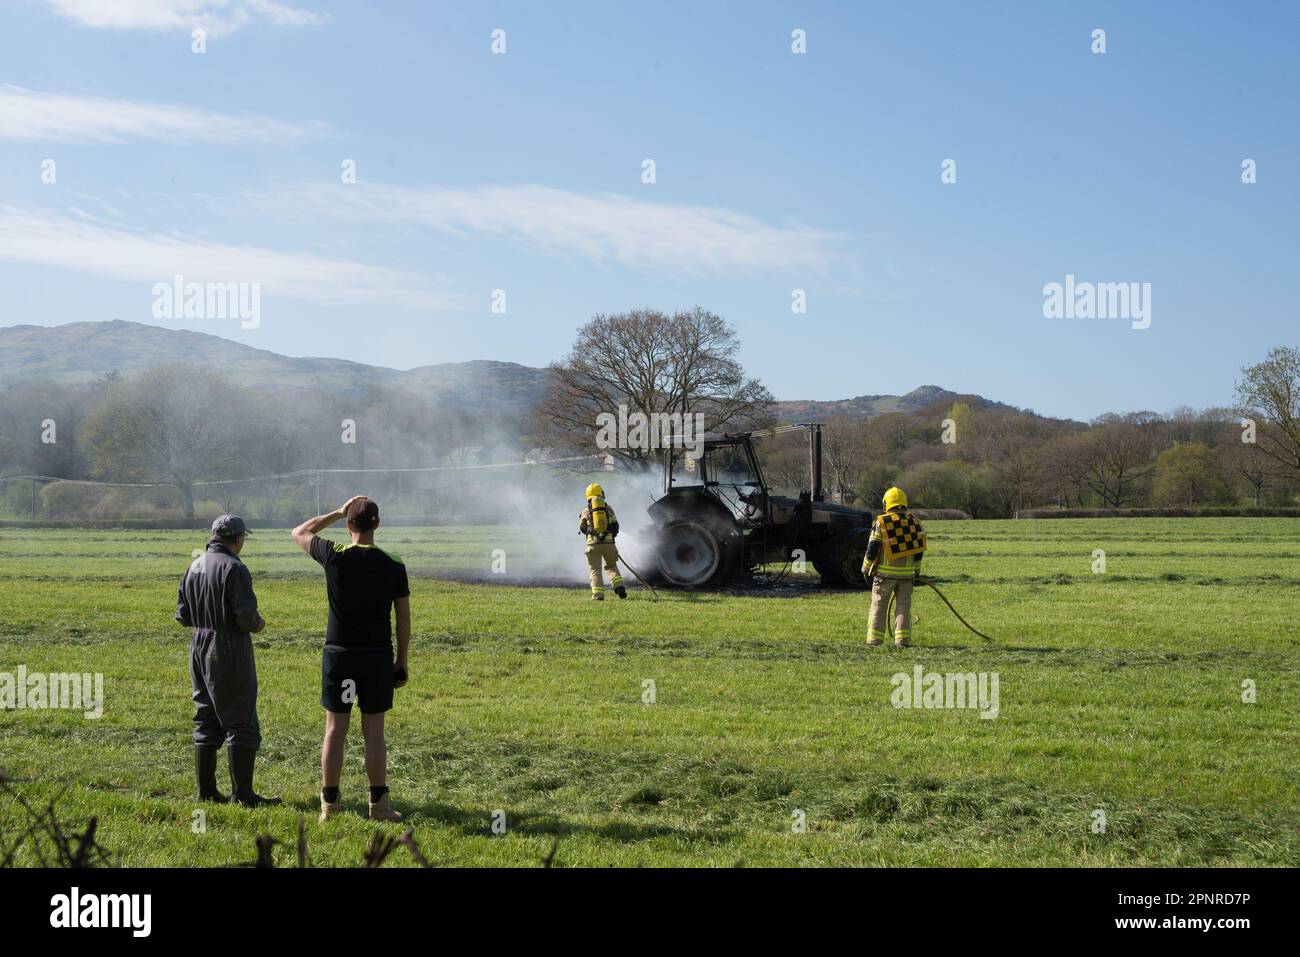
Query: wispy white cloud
pixel 217 17
pixel 29 115
pixel 86 244
pixel 600 227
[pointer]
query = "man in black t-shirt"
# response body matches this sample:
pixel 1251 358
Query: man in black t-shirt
pixel 364 584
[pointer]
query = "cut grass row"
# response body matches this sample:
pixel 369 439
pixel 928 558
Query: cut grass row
pixel 1117 693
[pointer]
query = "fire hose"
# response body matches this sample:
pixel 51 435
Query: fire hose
pixel 889 609
pixel 618 557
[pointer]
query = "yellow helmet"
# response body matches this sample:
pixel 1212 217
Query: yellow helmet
pixel 595 491
pixel 894 497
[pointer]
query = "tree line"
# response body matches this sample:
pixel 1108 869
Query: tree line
pixel 180 425
pixel 985 459
pixel 992 462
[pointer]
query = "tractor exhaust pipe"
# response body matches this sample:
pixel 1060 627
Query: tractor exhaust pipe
pixel 815 461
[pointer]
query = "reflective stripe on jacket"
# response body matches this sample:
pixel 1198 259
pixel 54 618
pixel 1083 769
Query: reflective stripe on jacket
pixel 611 528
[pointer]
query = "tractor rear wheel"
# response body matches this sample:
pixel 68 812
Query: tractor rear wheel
pixel 692 555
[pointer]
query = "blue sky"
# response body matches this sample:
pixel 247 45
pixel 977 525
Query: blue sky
pixel 775 172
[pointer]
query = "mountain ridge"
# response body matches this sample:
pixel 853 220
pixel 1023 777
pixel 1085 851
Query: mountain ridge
pixel 81 352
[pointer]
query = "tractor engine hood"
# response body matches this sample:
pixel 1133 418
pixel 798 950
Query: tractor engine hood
pixel 829 508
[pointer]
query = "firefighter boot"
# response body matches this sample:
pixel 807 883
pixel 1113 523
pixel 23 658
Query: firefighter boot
pixel 620 591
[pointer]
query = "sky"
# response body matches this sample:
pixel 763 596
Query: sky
pixel 487 178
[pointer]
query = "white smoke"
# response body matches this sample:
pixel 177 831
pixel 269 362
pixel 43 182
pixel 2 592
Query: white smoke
pixel 539 507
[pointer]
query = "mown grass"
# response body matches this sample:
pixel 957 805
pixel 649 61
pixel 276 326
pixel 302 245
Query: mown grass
pixel 1119 691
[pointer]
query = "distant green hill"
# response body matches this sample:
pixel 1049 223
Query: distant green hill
pixel 867 406
pixel 84 351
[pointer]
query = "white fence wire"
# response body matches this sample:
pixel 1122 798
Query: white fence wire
pixel 470 493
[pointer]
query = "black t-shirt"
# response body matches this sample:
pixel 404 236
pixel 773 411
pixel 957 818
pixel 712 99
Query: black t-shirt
pixel 363 581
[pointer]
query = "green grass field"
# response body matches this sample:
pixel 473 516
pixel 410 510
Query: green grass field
pixel 1119 691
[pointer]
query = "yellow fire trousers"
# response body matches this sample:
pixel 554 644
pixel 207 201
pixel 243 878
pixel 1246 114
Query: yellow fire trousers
pixel 596 553
pixel 901 589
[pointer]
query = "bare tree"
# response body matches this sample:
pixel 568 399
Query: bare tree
pixel 893 430
pixel 174 424
pixel 1063 468
pixel 844 452
pixel 25 407
pixel 1269 392
pixel 1118 452
pixel 650 362
pixel 1011 446
pixel 1245 461
pixel 785 462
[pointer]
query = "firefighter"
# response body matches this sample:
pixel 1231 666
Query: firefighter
pixel 599 523
pixel 893 558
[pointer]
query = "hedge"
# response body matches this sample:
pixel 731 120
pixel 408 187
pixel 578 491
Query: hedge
pixel 1205 512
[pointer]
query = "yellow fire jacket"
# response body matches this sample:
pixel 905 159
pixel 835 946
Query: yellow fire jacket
pixel 899 541
pixel 585 526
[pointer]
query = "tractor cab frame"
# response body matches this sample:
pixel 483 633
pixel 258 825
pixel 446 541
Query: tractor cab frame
pixel 718 520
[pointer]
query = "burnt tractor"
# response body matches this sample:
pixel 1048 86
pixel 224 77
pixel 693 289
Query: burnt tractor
pixel 718 521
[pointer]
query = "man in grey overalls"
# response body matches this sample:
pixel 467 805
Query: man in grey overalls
pixel 216 599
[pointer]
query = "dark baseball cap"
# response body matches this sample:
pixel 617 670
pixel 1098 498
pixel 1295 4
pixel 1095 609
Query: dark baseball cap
pixel 229 526
pixel 364 514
